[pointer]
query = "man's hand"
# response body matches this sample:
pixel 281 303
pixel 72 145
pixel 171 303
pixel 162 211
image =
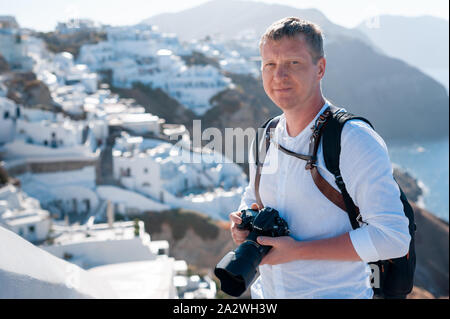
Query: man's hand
pixel 237 234
pixel 283 249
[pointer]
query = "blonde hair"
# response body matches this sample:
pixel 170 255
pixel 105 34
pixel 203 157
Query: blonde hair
pixel 291 27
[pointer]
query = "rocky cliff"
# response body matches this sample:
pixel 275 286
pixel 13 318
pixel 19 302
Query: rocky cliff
pixel 25 89
pixel 157 102
pixel 432 240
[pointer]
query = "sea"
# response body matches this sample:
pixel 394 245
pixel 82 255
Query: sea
pixel 428 162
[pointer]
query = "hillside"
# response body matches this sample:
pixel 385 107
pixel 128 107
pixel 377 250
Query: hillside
pixel 157 102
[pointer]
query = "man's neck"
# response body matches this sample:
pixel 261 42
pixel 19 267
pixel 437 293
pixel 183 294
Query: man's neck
pixel 298 118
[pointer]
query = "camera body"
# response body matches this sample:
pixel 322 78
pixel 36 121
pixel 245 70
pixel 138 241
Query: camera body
pixel 237 269
pixel 266 222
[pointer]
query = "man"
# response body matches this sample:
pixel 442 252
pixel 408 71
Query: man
pixel 323 257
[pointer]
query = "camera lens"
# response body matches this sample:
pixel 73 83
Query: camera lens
pixel 237 269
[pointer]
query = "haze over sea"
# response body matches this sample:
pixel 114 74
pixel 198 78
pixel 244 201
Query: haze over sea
pixel 427 161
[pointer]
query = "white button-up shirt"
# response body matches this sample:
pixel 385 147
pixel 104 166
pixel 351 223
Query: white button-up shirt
pixel 289 188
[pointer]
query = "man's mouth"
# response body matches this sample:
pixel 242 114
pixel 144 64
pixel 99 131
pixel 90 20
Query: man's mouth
pixel 282 90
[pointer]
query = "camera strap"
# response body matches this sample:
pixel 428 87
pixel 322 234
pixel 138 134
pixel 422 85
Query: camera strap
pixel 326 189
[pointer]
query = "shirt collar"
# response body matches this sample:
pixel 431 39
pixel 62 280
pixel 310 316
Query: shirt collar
pixel 307 130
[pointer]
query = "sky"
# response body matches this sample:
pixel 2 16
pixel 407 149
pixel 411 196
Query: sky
pixel 43 15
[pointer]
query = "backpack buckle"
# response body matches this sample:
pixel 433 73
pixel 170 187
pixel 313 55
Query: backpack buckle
pixel 360 220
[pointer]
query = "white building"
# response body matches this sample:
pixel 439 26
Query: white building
pixel 195 86
pixel 122 255
pixel 177 177
pixel 127 202
pixel 73 73
pixel 27 271
pixel 62 133
pixel 138 123
pixel 235 63
pixel 141 54
pixel 41 136
pixel 23 215
pixel 235 56
pixel 69 83
pixel 103 244
pixel 63 192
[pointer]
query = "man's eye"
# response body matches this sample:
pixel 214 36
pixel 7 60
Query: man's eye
pixel 295 62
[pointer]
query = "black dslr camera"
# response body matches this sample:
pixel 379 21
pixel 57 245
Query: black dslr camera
pixel 237 269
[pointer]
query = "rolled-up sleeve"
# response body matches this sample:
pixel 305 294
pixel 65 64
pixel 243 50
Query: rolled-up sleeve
pixel 367 172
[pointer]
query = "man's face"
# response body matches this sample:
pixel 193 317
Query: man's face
pixel 290 77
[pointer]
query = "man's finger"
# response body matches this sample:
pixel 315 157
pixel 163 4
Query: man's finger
pixel 266 241
pixel 235 218
pixel 255 206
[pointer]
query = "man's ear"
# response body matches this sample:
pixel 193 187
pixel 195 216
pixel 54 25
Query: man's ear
pixel 321 65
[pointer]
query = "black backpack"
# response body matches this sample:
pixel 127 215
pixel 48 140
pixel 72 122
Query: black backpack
pixel 396 276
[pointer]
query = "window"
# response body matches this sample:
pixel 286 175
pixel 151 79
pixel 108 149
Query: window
pixel 31 229
pixel 146 184
pixel 145 170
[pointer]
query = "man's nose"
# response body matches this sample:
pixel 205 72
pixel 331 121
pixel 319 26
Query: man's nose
pixel 281 72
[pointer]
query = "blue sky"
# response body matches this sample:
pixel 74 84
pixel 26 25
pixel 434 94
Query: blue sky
pixel 44 14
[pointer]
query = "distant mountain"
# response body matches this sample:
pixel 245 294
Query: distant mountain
pixel 420 41
pixel 399 100
pixel 230 17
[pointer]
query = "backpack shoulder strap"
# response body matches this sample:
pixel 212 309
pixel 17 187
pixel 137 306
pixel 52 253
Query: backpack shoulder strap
pixel 331 145
pixel 260 157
